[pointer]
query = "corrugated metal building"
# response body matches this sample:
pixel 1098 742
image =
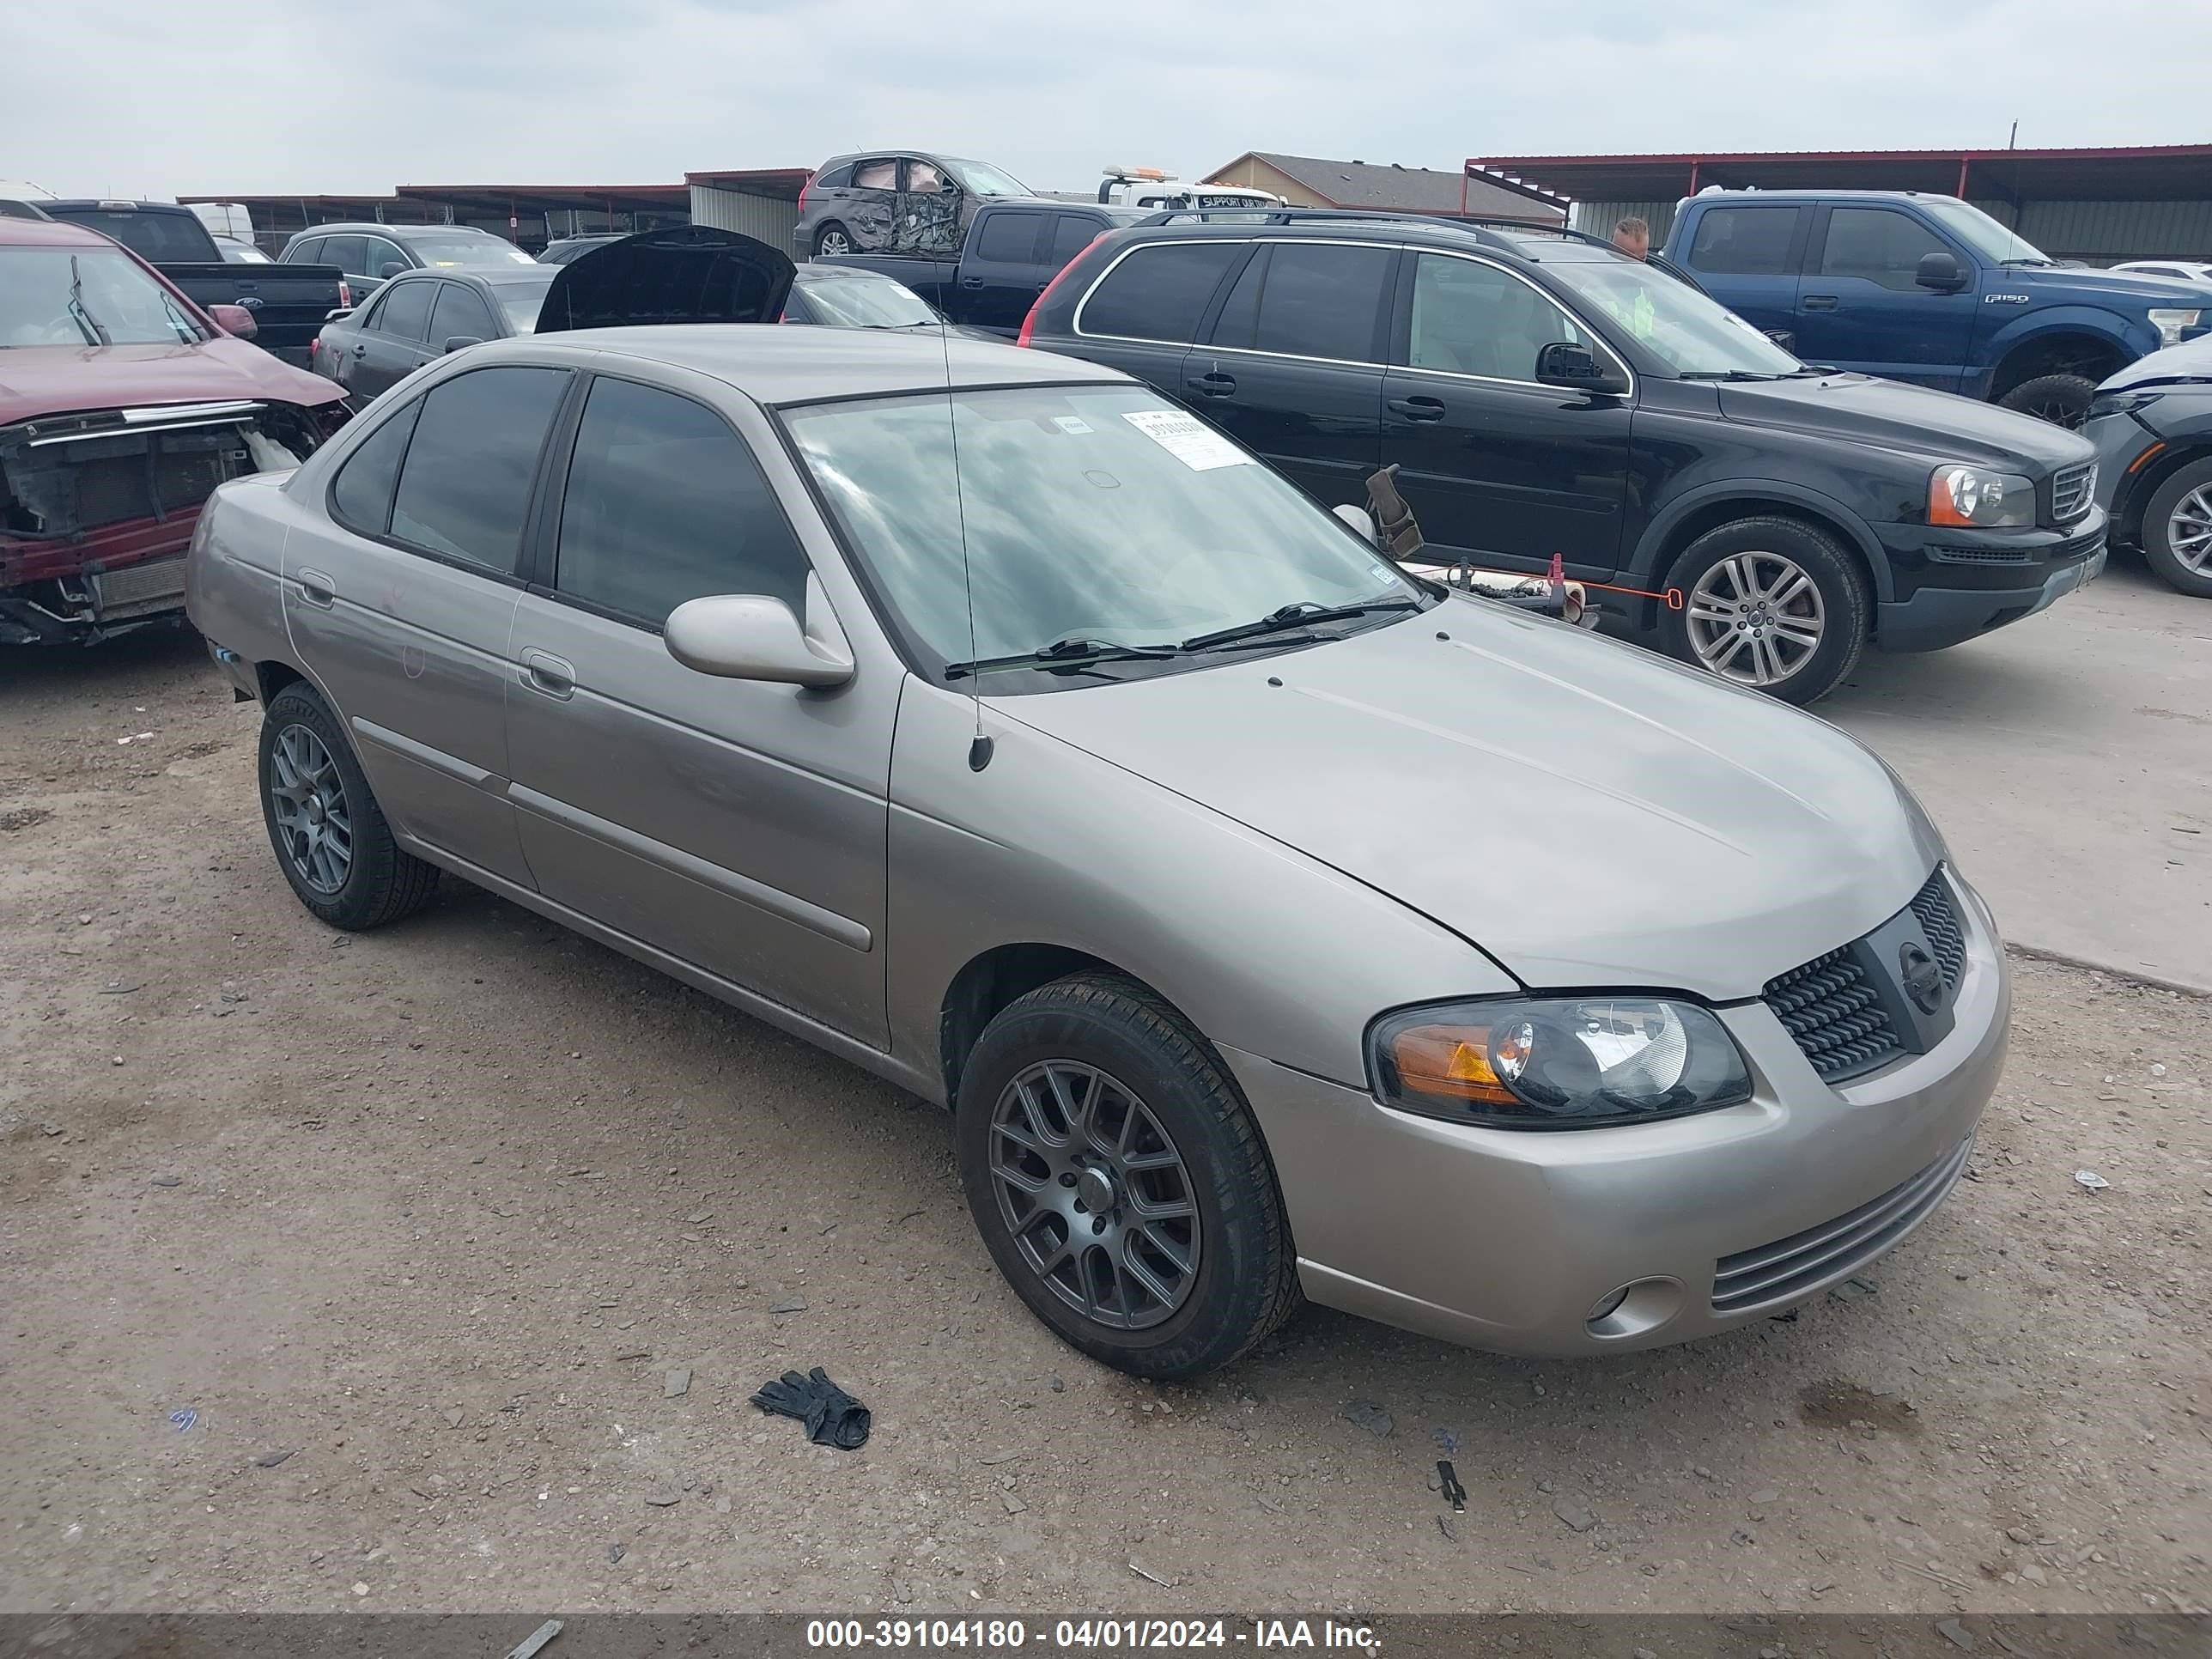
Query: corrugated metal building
pixel 1312 182
pixel 757 202
pixel 2101 205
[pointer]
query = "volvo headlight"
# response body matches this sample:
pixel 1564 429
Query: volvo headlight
pixel 2172 324
pixel 1974 496
pixel 1557 1062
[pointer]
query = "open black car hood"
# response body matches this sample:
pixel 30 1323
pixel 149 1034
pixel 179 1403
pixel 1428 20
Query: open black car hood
pixel 689 274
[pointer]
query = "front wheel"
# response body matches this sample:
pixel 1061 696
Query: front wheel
pixel 2177 531
pixel 2061 399
pixel 1120 1182
pixel 1772 603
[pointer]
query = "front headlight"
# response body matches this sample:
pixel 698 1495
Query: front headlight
pixel 1556 1062
pixel 1973 496
pixel 2171 322
pixel 2120 402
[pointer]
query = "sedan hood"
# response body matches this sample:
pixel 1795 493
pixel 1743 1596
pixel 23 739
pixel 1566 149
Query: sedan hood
pixel 2190 361
pixel 1891 415
pixel 39 380
pixel 1589 814
pixel 690 274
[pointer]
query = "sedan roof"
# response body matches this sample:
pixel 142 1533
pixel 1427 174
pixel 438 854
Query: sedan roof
pixel 781 366
pixel 50 232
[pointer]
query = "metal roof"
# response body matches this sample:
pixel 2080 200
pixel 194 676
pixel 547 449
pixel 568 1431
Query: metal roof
pixel 1407 190
pixel 541 199
pixel 2134 173
pixel 784 184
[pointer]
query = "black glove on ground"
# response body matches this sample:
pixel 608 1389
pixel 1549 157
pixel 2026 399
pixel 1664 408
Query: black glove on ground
pixel 833 1418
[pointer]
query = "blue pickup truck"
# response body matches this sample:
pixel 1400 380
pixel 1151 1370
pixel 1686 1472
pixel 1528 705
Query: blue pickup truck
pixel 1928 289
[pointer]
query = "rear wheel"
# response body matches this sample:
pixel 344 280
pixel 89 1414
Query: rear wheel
pixel 2061 399
pixel 1120 1182
pixel 1772 603
pixel 2177 531
pixel 329 836
pixel 832 239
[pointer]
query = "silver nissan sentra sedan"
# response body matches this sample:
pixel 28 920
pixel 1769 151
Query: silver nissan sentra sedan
pixel 1270 922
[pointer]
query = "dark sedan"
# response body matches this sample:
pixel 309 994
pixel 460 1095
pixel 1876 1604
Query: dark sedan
pixel 423 315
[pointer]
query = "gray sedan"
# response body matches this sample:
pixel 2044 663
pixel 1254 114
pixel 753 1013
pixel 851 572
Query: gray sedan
pixel 1272 922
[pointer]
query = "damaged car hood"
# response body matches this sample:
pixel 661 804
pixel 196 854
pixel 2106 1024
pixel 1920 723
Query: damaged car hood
pixel 40 380
pixel 1589 814
pixel 690 274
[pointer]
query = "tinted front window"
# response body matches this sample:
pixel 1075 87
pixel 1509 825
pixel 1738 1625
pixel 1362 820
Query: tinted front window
pixel 1744 241
pixel 1877 245
pixel 405 309
pixel 465 487
pixel 380 253
pixel 360 495
pixel 157 238
pixel 1986 236
pixel 461 314
pixel 66 296
pixel 1309 300
pixel 1471 319
pixel 664 503
pixel 1095 513
pixel 1008 238
pixel 1159 292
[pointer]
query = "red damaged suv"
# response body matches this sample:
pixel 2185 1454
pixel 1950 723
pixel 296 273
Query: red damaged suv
pixel 122 406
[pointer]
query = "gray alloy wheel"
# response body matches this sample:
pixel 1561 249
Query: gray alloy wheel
pixel 308 799
pixel 833 241
pixel 2188 531
pixel 1756 618
pixel 1096 1196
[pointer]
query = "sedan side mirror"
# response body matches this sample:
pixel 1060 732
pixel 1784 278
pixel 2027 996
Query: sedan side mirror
pixel 1574 366
pixel 1939 271
pixel 750 636
pixel 457 342
pixel 234 319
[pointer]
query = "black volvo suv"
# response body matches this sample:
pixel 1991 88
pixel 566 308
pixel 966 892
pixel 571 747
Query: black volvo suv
pixel 1543 393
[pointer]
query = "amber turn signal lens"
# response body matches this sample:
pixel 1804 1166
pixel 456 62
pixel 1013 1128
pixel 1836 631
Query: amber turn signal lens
pixel 1453 1061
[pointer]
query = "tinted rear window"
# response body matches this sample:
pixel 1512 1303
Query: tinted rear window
pixel 1159 292
pixel 360 495
pixel 1309 300
pixel 465 488
pixel 1008 238
pixel 1744 241
pixel 158 238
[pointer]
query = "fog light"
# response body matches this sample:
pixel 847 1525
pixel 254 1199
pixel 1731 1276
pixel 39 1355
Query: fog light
pixel 1604 1305
pixel 1643 1305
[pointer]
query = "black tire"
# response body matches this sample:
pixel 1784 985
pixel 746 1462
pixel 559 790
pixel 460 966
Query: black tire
pixel 822 235
pixel 2158 528
pixel 2061 399
pixel 1244 1283
pixel 1845 607
pixel 381 883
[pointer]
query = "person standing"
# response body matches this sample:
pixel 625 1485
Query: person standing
pixel 1632 237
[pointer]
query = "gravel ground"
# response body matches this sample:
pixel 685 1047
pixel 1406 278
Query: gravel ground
pixel 352 1272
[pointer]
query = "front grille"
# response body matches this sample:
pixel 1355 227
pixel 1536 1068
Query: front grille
pixel 157 585
pixel 2071 487
pixel 1832 1010
pixel 1789 1268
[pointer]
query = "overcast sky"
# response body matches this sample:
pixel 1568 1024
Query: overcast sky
pixel 149 97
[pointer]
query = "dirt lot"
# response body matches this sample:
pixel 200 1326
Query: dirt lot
pixel 436 1212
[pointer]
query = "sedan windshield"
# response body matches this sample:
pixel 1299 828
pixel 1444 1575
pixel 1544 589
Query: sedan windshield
pixel 1986 236
pixel 861 301
pixel 1692 336
pixel 62 296
pixel 1094 517
pixel 445 251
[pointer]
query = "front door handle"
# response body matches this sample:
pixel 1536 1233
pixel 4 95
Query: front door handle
pixel 1418 409
pixel 543 671
pixel 1213 384
pixel 317 588
pixel 971 281
pixel 1819 302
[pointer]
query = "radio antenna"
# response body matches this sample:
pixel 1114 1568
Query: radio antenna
pixel 979 748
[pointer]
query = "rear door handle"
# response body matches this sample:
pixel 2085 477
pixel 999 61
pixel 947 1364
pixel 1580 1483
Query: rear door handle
pixel 361 350
pixel 543 671
pixel 1214 384
pixel 1819 302
pixel 1418 409
pixel 317 588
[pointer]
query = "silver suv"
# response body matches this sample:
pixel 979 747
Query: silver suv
pixel 1272 922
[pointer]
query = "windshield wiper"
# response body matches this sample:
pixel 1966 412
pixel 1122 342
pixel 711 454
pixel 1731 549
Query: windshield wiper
pixel 86 324
pixel 2039 264
pixel 1727 375
pixel 1065 653
pixel 1290 617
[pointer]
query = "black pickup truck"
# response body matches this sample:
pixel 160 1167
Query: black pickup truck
pixel 288 303
pixel 1013 247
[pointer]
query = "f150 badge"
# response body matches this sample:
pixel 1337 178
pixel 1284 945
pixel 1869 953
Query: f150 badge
pixel 2004 299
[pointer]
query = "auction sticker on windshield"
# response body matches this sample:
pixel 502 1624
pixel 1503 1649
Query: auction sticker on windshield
pixel 1186 438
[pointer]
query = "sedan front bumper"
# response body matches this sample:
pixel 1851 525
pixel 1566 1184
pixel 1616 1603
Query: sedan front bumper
pixel 1516 1240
